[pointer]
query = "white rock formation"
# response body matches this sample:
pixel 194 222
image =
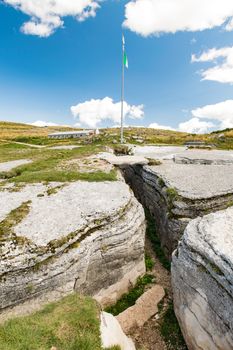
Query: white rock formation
pixel 214 157
pixel 176 193
pixel 112 333
pixel 202 279
pixel 85 236
pixel 7 166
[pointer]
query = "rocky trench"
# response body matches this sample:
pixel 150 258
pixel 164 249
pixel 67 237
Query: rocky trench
pixel 101 253
pixel 104 255
pixel 197 236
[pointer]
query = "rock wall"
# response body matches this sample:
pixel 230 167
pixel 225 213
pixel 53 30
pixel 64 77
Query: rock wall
pixel 177 193
pixel 202 279
pixel 86 236
pixel 188 194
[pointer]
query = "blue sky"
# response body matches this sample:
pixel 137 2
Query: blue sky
pixel 42 77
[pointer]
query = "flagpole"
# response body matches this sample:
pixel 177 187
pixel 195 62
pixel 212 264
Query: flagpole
pixel 122 91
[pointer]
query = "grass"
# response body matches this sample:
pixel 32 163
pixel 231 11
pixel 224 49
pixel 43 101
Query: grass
pixel 70 324
pixel 152 235
pixel 131 297
pixel 172 194
pixel 149 262
pixel 153 162
pixel 12 219
pixel 46 164
pixel 170 330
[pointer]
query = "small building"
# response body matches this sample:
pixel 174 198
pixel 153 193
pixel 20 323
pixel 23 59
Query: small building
pixel 72 134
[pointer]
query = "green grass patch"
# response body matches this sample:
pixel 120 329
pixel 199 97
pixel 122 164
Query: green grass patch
pixel 172 194
pixel 13 219
pixel 46 164
pixel 130 298
pixel 152 235
pixel 153 162
pixel 170 330
pixel 149 262
pixel 63 176
pixel 70 324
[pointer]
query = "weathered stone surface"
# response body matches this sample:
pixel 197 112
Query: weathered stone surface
pixel 85 236
pixel 202 279
pixel 158 152
pixel 112 333
pixel 13 197
pixel 146 306
pixel 121 160
pixel 214 157
pixel 176 193
pixel 7 166
pixel 195 181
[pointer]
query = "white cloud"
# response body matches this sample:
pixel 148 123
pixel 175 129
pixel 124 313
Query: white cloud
pixel 160 127
pixel 195 126
pixel 220 112
pixel 41 123
pixel 148 17
pixel 46 15
pixel 92 113
pixel 223 60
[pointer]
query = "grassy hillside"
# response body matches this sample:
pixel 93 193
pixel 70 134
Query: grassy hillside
pixel 221 139
pixel 39 136
pixel 28 133
pixel 70 324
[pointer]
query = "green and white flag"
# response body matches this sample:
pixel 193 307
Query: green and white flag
pixel 126 63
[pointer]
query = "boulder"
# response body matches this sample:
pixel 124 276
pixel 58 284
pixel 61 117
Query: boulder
pixel 176 193
pixel 81 236
pixel 202 281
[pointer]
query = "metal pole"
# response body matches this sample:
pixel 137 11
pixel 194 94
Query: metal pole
pixel 122 91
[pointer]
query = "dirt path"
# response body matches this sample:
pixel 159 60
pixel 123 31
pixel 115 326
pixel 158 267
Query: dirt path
pixel 23 143
pixel 149 337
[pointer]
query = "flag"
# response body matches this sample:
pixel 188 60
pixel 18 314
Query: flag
pixel 126 63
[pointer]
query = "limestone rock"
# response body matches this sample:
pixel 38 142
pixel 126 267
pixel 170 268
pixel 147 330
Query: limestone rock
pixel 112 333
pixel 146 306
pixel 176 193
pixel 202 279
pixel 7 166
pixel 121 160
pixel 85 236
pixel 214 157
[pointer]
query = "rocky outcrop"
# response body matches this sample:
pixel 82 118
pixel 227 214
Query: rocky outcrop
pixel 176 193
pixel 214 157
pixel 7 166
pixel 202 279
pixel 83 236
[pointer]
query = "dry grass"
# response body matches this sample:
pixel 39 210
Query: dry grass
pixel 10 131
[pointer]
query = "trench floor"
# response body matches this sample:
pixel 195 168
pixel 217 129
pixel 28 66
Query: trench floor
pixel 149 336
